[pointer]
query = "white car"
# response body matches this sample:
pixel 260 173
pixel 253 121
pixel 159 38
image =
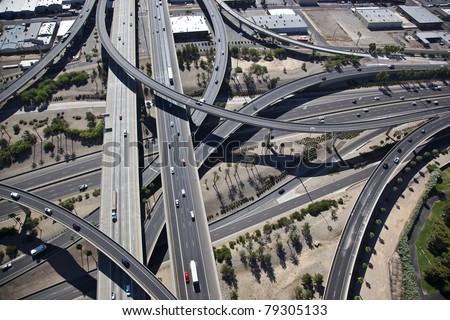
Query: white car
pixel 172 170
pixel 177 203
pixel 15 195
pixel 82 187
pixel 6 266
pixel 376 98
pixel 48 211
pixel 396 160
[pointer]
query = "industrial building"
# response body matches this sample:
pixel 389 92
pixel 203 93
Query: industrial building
pixel 445 13
pixel 33 37
pixel 426 38
pixel 282 12
pixel 378 18
pixel 64 26
pixel 25 9
pixel 421 17
pixel 282 23
pixel 14 9
pixel 181 1
pixel 48 6
pixel 189 28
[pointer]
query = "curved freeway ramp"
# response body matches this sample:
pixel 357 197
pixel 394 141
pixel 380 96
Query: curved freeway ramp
pixel 138 272
pixel 340 275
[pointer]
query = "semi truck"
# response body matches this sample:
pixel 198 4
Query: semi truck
pixel 194 272
pixel 169 71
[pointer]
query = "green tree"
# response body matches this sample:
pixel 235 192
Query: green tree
pixel 439 241
pixel 307 281
pixel 11 250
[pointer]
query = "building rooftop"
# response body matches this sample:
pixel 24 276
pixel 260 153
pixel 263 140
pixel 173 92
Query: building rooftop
pixel 64 26
pixel 47 3
pixel 277 22
pixel 442 35
pixel 420 14
pixel 184 24
pixel 21 36
pixel 378 15
pixel 17 5
pixel 282 12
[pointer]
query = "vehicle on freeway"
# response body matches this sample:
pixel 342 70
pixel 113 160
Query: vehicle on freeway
pixel 396 160
pixel 281 191
pixel 324 78
pixel 125 263
pixel 376 98
pixel 183 192
pixel 128 290
pixel 113 296
pixel 358 115
pixel 321 119
pixel 125 133
pixel 436 102
pixel 15 196
pixel 172 170
pixel 414 103
pixel 423 130
pixel 200 102
pixel 391 66
pixel 171 123
pixel 193 266
pixel 183 162
pixel 177 203
pixel 354 101
pixel 82 187
pixel 120 117
pixel 114 206
pixel 40 248
pixel 6 266
pixel 76 227
pixel 385 165
pixel 48 211
pixel 192 215
pixel 366 110
pixel 402 98
pixel 186 276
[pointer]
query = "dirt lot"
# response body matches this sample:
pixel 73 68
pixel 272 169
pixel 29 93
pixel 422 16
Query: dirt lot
pixel 340 27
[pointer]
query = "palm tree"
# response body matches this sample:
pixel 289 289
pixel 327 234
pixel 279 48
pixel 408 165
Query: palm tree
pixel 227 173
pixel 215 178
pixel 206 184
pixel 236 166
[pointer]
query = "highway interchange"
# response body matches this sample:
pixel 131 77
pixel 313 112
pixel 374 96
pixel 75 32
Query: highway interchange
pixel 271 98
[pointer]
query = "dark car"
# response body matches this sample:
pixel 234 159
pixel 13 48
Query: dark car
pixel 281 191
pixel 385 165
pixel 324 78
pixel 76 227
pixel 126 263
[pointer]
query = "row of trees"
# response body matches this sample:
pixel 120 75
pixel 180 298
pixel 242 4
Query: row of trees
pixel 16 151
pixel 46 88
pixel 253 54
